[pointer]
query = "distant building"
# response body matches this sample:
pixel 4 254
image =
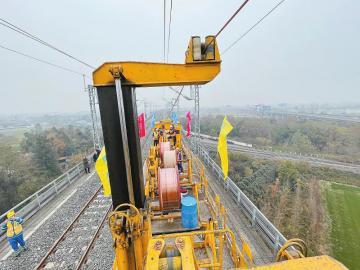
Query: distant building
pixel 262 109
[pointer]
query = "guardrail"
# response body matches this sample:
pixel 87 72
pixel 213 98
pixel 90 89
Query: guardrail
pixel 267 231
pixel 31 205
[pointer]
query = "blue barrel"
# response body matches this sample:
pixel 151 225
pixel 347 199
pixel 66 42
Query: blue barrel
pixel 189 214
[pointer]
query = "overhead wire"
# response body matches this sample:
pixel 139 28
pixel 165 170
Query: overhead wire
pixel 177 98
pixel 164 30
pixel 178 91
pixel 231 18
pixel 217 34
pixel 227 23
pixel 41 60
pixel 252 27
pixel 169 33
pixel 21 31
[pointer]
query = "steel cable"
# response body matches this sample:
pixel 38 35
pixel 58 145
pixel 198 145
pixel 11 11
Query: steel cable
pixel 35 38
pixel 252 27
pixel 42 61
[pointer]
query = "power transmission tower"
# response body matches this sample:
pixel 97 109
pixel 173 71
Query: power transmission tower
pixel 197 116
pixel 94 119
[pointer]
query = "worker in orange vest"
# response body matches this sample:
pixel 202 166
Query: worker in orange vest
pixel 14 232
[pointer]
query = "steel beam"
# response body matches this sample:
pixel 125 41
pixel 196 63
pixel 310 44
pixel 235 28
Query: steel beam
pixel 130 110
pixel 112 130
pixel 121 137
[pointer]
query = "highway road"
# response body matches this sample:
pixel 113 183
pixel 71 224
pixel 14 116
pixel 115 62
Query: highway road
pixel 319 162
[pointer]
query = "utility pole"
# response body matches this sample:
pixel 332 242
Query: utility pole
pixel 94 119
pixel 194 93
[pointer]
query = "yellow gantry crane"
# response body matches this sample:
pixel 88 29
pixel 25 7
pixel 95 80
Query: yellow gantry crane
pixel 147 227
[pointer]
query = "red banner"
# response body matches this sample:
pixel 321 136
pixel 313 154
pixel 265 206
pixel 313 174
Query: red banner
pixel 188 125
pixel 141 125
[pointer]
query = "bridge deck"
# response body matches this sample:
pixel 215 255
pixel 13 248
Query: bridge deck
pixel 46 226
pixel 239 224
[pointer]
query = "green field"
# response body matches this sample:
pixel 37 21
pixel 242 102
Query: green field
pixel 12 137
pixel 343 204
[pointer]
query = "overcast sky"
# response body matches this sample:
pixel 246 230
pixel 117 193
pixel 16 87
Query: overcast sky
pixel 306 51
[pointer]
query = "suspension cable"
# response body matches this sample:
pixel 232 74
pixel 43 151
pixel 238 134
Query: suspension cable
pixel 252 27
pixel 227 23
pixel 164 30
pixel 37 39
pixel 169 34
pixel 42 61
pixel 231 18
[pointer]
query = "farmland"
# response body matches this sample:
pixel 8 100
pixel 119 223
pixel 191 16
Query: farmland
pixel 343 204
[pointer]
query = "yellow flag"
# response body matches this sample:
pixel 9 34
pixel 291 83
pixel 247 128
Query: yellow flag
pixel 103 173
pixel 222 146
pixel 246 250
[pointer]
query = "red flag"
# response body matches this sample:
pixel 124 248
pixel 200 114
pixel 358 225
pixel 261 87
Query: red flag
pixel 141 125
pixel 188 126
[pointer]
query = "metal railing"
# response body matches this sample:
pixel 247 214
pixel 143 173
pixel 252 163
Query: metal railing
pixel 267 231
pixel 31 205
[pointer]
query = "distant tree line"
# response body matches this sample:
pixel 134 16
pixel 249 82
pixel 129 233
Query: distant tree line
pixel 289 194
pixel 33 164
pixel 333 139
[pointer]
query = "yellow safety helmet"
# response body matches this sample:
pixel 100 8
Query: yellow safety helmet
pixel 10 214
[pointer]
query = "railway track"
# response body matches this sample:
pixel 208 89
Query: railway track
pixel 72 248
pixel 342 166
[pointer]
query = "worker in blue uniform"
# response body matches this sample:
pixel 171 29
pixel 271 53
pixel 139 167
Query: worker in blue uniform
pixel 14 232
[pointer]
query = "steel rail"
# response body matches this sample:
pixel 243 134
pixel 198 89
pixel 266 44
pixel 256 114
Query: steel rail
pixel 84 257
pixel 42 263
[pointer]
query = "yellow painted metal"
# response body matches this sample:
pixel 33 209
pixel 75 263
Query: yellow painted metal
pixel 121 253
pixel 309 263
pixel 155 247
pixel 210 241
pixel 170 263
pixel 148 74
pixel 184 245
pixel 129 251
pixel 211 55
pixel 146 233
pixel 299 252
pixel 137 245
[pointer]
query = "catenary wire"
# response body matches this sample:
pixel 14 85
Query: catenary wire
pixel 217 34
pixel 227 23
pixel 231 18
pixel 252 27
pixel 164 29
pixel 177 98
pixel 35 38
pixel 178 91
pixel 169 33
pixel 41 60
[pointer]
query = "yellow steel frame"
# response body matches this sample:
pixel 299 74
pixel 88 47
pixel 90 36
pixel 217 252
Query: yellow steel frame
pixel 319 262
pixel 214 243
pixel 133 241
pixel 147 74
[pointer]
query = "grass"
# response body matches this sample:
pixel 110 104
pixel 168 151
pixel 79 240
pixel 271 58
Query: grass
pixel 343 204
pixel 12 137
